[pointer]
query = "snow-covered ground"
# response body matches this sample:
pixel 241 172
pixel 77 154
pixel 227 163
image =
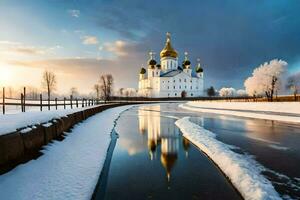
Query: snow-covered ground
pixel 68 169
pixel 243 171
pixel 10 122
pixel 280 111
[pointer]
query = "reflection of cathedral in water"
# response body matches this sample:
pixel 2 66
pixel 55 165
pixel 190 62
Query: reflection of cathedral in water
pixel 161 133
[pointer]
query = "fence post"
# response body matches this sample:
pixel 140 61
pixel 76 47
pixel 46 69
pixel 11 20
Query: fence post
pixel 71 98
pixel 48 102
pixel 82 102
pixel 21 102
pixel 24 98
pixel 55 103
pixel 41 102
pixel 76 102
pixel 3 100
pixel 64 102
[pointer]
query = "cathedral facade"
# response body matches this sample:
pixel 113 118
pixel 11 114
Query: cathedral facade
pixel 168 79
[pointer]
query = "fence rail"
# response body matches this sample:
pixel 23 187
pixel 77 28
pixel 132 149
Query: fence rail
pixel 42 103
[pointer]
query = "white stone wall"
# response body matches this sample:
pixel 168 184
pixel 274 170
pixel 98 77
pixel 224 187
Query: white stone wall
pixel 168 63
pixel 172 86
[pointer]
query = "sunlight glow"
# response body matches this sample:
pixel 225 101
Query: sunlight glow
pixel 5 75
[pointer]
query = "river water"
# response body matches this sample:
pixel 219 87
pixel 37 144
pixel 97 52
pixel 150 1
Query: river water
pixel 152 160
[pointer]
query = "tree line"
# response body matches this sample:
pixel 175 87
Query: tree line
pixel 103 89
pixel 267 80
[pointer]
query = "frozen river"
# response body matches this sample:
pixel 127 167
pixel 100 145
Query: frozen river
pixel 152 160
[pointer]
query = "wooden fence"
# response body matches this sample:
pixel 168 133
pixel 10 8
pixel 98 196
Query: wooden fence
pixel 45 104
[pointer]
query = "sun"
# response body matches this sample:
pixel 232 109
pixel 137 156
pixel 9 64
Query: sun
pixel 5 75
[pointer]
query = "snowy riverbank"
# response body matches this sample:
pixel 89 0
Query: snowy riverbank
pixel 243 171
pixel 279 111
pixel 11 122
pixel 68 169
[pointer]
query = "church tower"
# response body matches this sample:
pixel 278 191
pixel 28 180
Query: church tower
pixel 168 56
pixel 186 64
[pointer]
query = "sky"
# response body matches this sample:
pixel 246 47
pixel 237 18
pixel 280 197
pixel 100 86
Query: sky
pixel 79 39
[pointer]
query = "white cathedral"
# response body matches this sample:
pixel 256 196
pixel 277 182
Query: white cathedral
pixel 168 79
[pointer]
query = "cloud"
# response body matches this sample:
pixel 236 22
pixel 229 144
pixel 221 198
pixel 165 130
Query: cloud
pixel 89 40
pixel 229 43
pixel 87 70
pixel 118 47
pixel 74 13
pixel 28 50
pixel 11 47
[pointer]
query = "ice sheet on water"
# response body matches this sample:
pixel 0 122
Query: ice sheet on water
pixel 242 111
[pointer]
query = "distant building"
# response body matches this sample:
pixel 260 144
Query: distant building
pixel 168 79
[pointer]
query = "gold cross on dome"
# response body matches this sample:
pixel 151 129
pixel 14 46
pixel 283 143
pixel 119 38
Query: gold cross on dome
pixel 168 34
pixel 186 55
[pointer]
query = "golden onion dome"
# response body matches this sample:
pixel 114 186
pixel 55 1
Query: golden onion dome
pixel 168 50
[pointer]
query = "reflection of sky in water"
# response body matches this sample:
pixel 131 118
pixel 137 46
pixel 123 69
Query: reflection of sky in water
pixel 149 132
pixel 275 145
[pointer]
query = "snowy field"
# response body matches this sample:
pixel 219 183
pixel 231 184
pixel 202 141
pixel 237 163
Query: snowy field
pixel 68 169
pixel 243 171
pixel 281 111
pixel 10 122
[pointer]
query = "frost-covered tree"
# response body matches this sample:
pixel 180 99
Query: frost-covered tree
pixel 241 93
pixel 293 84
pixel 266 79
pixel 227 92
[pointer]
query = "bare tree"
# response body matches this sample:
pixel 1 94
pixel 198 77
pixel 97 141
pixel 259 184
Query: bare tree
pixel 106 86
pixel 10 92
pixel 121 92
pixel 211 91
pixel 32 92
pixel 74 91
pixel 49 82
pixel 293 84
pixel 97 90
